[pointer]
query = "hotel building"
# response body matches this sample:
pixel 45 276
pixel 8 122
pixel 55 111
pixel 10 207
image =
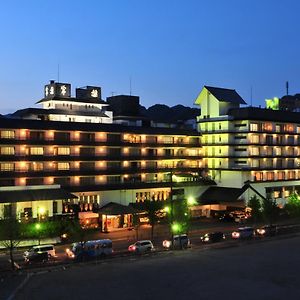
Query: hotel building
pixel 249 146
pixel 70 152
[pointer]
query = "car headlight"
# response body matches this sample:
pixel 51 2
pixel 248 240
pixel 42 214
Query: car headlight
pixel 261 231
pixel 166 244
pixel 235 234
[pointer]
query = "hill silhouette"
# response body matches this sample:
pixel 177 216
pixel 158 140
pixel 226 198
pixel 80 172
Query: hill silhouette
pixel 166 114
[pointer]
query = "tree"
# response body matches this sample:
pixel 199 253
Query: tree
pixel 256 208
pixel 10 234
pixel 293 205
pixel 180 216
pixel 152 208
pixel 270 210
pixel 136 224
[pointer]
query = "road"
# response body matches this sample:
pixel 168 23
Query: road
pixel 251 270
pixel 123 238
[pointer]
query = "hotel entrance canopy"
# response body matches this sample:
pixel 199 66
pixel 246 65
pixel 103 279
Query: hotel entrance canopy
pixel 113 208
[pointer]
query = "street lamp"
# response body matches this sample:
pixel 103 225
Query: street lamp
pixel 38 228
pixel 191 201
pixel 41 212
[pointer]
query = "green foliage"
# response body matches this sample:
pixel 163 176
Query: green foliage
pixel 293 205
pixel 256 207
pixel 270 210
pixel 179 216
pixel 10 234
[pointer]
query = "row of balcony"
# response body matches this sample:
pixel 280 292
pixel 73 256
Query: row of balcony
pixel 92 172
pixel 93 157
pixel 31 141
pixel 136 184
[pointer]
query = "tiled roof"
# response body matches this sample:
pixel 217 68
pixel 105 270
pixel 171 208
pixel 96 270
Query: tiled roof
pixel 226 95
pixel 218 195
pixel 14 196
pixel 73 99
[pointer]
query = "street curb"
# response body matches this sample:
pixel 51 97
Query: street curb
pixel 19 287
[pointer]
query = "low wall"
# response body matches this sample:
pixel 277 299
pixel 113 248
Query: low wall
pixel 34 242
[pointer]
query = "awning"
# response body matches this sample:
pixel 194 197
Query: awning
pixel 14 196
pixel 221 195
pixel 113 208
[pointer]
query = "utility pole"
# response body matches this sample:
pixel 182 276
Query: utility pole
pixel 172 206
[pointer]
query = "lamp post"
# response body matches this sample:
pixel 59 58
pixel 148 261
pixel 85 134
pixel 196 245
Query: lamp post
pixel 172 207
pixel 38 227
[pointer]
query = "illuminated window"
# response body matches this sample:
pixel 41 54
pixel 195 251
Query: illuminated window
pixel 290 151
pixel 63 166
pixel 278 128
pixel 288 127
pixel 254 138
pixel 7 150
pixel 278 151
pixel 168 139
pixel 291 175
pixel 270 175
pixel 255 163
pixel 258 176
pixel 37 166
pixel 253 127
pixel 63 151
pixel 276 194
pixel 267 126
pixel 254 151
pixel 36 150
pixel 7 167
pixel 281 175
pixel 7 134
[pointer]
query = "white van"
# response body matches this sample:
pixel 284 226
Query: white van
pixel 39 249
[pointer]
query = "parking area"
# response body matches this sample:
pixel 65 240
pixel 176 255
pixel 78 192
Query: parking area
pixel 251 270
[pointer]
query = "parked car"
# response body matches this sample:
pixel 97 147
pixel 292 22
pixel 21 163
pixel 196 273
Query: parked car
pixel 36 257
pixel 267 230
pixel 226 218
pixel 49 249
pixel 243 233
pixel 179 242
pixel 141 247
pixel 213 237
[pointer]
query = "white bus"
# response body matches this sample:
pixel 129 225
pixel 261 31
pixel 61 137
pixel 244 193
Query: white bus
pixel 90 249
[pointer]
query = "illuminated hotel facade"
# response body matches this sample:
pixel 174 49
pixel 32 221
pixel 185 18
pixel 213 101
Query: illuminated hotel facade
pixel 249 145
pixel 95 161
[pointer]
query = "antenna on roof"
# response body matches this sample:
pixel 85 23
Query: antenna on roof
pixel 57 72
pixel 130 86
pixel 287 87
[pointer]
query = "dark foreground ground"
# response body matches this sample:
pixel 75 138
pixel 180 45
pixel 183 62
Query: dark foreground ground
pixel 264 270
